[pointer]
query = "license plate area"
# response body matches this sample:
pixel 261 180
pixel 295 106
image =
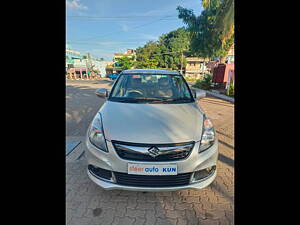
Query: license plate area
pixel 152 169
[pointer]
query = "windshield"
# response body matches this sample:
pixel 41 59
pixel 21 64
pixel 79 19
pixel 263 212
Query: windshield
pixel 151 88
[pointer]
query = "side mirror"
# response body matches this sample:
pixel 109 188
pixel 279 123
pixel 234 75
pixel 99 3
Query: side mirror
pixel 199 93
pixel 102 93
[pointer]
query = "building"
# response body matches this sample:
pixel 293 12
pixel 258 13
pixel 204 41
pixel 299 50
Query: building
pixel 195 67
pixel 113 67
pixel 211 65
pixel 223 74
pixel 75 64
pixel 100 66
pixel 72 57
pixel 80 66
pixel 129 53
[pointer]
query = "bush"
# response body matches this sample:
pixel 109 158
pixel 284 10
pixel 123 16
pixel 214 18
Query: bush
pixel 190 79
pixel 230 90
pixel 204 84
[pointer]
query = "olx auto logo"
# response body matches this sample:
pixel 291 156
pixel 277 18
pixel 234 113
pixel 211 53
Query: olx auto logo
pixel 153 151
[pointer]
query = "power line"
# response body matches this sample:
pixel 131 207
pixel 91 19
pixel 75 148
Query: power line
pixel 130 40
pixel 94 44
pixel 104 42
pixel 90 38
pixel 119 17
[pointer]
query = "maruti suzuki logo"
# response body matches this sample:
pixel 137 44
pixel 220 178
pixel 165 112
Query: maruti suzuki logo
pixel 153 151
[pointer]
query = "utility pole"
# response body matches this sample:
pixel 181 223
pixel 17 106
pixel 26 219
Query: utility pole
pixel 89 66
pixel 87 63
pixel 181 66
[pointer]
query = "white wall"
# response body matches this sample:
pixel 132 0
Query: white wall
pixel 100 65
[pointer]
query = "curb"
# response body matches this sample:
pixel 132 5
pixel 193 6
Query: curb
pixel 224 97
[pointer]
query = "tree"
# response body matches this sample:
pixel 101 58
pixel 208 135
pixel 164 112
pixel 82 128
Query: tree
pixel 125 62
pixel 224 18
pixel 147 64
pixel 149 51
pixel 212 32
pixel 166 52
pixel 174 44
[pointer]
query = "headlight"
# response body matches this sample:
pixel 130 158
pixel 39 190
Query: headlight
pixel 96 134
pixel 208 135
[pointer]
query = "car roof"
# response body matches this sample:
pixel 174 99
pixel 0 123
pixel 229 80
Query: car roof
pixel 150 71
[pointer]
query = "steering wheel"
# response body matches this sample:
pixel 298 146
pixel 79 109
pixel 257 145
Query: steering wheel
pixel 135 93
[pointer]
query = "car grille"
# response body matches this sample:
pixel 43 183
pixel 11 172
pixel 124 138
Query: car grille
pixel 152 180
pixel 139 152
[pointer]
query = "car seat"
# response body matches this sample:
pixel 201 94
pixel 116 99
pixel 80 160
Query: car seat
pixel 164 88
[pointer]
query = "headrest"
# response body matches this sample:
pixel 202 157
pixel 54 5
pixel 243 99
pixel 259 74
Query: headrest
pixel 136 81
pixel 164 81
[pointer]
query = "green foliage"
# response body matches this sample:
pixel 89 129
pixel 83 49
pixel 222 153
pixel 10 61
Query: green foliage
pixel 147 64
pixel 204 84
pixel 125 62
pixel 225 20
pixel 212 32
pixel 147 55
pixel 190 79
pixel 166 52
pixel 173 44
pixel 230 90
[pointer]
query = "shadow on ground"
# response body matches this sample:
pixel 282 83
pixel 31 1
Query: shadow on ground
pixel 81 106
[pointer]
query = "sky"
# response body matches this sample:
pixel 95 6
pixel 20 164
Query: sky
pixel 105 27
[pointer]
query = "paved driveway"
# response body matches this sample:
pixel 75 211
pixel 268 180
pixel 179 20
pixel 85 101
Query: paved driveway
pixel 88 204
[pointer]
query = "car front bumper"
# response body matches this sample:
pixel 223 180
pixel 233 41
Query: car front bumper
pixel 111 161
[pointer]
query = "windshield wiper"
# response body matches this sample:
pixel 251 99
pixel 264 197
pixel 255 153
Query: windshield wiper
pixel 152 100
pixel 135 100
pixel 124 100
pixel 163 100
pixel 146 98
pixel 177 99
pixel 149 99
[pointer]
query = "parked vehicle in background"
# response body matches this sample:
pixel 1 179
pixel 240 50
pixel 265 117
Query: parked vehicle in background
pixel 113 76
pixel 151 135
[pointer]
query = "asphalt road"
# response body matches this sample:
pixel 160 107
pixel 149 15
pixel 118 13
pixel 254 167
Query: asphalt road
pixel 82 104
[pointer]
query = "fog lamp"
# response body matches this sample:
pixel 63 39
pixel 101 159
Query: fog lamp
pixel 201 174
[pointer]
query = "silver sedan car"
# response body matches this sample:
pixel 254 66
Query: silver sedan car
pixel 151 135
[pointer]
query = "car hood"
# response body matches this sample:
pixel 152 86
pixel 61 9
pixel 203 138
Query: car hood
pixel 152 123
